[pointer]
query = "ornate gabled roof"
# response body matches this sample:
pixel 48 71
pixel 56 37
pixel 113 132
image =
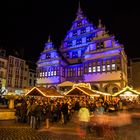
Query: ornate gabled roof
pixel 80 91
pixel 127 91
pixel 45 92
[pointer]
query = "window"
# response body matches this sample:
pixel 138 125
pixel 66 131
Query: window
pixel 79 41
pixel 43 74
pixel 83 31
pixel 94 69
pixel 115 89
pixel 99 45
pixel 51 73
pixel 98 69
pixel 103 68
pixel 54 72
pixel 40 75
pixel 75 33
pixel 79 24
pixel 69 44
pixel 89 69
pixel 74 54
pixel 80 71
pixel 48 56
pixel 46 74
pixel 113 66
pixel 108 67
pixel 89 39
pixel 67 55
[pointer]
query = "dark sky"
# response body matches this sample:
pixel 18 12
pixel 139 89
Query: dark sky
pixel 25 25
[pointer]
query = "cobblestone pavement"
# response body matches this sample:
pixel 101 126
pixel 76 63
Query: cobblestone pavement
pixel 10 130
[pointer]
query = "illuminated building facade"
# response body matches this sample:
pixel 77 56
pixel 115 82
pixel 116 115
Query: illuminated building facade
pixel 87 54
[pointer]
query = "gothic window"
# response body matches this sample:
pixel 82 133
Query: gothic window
pixel 79 24
pixel 57 71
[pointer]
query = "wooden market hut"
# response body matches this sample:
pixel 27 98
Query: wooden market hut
pixel 127 92
pixel 83 89
pixel 44 92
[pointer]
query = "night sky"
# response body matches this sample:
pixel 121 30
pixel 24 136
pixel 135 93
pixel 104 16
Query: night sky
pixel 25 25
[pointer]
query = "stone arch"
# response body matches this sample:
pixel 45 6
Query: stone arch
pixel 111 88
pixel 94 87
pixel 52 87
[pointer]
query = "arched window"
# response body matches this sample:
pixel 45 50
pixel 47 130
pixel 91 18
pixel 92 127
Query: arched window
pixel 114 90
pixel 94 87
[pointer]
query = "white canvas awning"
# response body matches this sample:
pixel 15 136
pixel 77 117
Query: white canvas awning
pixel 66 84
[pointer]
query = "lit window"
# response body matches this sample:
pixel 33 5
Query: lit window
pixel 89 69
pixel 49 73
pixel 94 69
pixel 108 67
pixel 98 68
pixel 103 68
pixel 54 73
pixel 45 73
pixel 113 66
pixel 40 74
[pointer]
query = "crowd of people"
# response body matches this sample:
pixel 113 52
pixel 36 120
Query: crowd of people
pixel 36 111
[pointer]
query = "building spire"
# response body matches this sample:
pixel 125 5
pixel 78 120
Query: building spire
pixel 100 24
pixel 79 12
pixel 49 38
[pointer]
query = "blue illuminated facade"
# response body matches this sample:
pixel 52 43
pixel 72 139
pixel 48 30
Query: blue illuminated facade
pixel 87 54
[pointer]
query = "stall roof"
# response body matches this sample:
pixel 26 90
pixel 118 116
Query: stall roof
pixel 126 90
pixel 45 92
pixel 79 91
pixel 66 84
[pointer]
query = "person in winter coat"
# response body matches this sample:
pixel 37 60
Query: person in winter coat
pixel 84 117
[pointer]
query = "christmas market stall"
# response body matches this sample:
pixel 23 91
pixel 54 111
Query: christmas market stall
pixel 44 92
pixel 128 98
pixel 127 93
pixel 84 89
